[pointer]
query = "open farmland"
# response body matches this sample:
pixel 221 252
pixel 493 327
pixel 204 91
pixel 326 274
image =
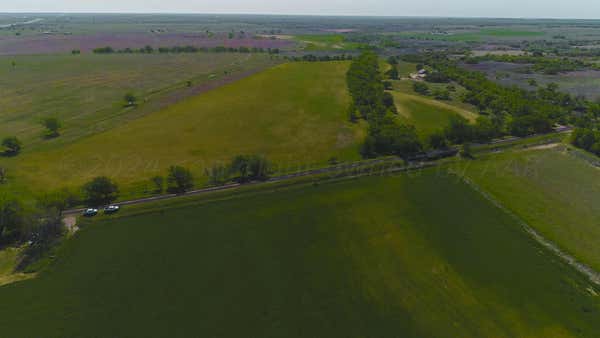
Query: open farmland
pixel 553 191
pixel 293 113
pixel 85 92
pixel 350 259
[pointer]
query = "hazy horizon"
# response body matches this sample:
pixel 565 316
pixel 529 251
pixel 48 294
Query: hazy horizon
pixel 534 9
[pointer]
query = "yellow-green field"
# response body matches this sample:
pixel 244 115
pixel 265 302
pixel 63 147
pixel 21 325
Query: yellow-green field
pixel 293 113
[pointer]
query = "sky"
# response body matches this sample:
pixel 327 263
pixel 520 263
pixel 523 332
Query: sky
pixel 584 9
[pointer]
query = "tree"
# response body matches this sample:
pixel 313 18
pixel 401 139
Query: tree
pixel 250 167
pixel 437 140
pixel 388 102
pixel 100 191
pixel 3 175
pixel 484 129
pixel 11 219
pixel 52 126
pixel 459 130
pixel 260 168
pixel 393 73
pixel 392 60
pixel 130 100
pixel 217 174
pixel 465 152
pixel 12 146
pixel 179 180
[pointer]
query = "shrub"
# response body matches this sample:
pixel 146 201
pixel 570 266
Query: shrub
pixel 12 146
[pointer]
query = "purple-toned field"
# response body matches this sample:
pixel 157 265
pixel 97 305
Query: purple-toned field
pixel 51 44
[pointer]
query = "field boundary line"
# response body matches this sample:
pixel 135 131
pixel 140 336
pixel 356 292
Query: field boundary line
pixel 590 273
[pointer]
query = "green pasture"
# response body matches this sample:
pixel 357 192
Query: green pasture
pixel 413 256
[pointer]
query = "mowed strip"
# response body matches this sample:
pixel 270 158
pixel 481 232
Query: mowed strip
pixel 422 255
pixel 292 113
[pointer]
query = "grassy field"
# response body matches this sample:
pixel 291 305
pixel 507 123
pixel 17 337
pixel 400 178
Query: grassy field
pixel 552 191
pixel 86 91
pixel 427 115
pixel 293 113
pixel 349 259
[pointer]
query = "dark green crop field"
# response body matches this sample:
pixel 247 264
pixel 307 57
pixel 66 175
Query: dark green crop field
pixel 411 256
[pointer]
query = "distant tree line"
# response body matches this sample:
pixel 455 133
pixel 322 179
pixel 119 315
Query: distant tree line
pixel 319 58
pixel 185 49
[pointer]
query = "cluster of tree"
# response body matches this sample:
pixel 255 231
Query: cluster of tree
pixel 540 64
pixel 243 168
pixel 320 58
pixel 514 110
pixel 386 136
pixel 37 224
pixel 587 138
pixel 186 49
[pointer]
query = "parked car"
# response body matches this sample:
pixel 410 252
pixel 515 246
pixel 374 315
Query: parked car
pixel 91 212
pixel 111 209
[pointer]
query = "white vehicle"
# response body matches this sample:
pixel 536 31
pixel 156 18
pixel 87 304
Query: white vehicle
pixel 90 212
pixel 111 209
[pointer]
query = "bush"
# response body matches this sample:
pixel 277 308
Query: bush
pixel 12 146
pixel 421 88
pixel 100 191
pixel 130 100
